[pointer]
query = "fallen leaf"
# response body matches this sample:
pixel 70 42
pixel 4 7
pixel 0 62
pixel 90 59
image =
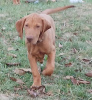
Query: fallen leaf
pixel 75 34
pixel 89 74
pixel 76 70
pixel 19 71
pixel 86 60
pixel 20 87
pixel 61 54
pixel 19 81
pixel 32 93
pixel 89 42
pixel 49 93
pixel 13 64
pixel 68 77
pixel 17 88
pixel 13 55
pixel 90 91
pixel 80 81
pixel 36 91
pixel 68 64
pixel 41 89
pixel 60 46
pixel 74 51
pixel 83 82
pixel 29 1
pixel 70 39
pixel 13 79
pixel 74 81
pixel 10 48
pixel 26 69
pixel 22 71
pixel 3 28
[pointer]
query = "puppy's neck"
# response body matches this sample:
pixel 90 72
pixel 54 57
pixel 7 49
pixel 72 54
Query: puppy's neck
pixel 40 39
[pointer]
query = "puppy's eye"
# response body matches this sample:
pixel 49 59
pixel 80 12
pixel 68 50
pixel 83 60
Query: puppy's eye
pixel 37 26
pixel 26 25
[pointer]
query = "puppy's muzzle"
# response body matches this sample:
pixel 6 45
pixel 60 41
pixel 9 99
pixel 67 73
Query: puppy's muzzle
pixel 29 39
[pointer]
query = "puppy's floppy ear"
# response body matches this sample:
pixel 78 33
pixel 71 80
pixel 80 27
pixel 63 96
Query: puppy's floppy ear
pixel 46 25
pixel 19 26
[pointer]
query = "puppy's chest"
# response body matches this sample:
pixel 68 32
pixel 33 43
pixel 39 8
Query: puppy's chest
pixel 38 53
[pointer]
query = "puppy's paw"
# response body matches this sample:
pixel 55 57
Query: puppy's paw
pixel 48 71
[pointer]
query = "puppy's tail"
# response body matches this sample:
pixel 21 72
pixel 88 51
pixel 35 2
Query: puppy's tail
pixel 51 11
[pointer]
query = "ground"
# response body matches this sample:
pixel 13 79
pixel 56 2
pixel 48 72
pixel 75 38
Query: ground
pixel 73 51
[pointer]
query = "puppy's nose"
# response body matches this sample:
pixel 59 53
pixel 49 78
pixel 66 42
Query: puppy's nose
pixel 29 39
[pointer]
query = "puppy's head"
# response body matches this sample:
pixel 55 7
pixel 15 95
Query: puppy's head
pixel 34 26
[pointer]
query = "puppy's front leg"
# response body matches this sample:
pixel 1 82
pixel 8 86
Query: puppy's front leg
pixel 50 64
pixel 35 72
pixel 18 1
pixel 15 2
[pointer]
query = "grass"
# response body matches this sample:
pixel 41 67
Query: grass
pixel 75 20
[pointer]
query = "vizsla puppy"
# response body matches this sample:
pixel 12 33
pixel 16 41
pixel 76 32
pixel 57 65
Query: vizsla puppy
pixel 16 1
pixel 40 40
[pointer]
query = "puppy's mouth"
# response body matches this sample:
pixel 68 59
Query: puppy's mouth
pixel 29 39
pixel 32 41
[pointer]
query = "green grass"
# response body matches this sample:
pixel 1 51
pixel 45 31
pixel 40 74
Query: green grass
pixel 77 20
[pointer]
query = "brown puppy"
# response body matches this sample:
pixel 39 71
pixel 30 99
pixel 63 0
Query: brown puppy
pixel 16 2
pixel 40 40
